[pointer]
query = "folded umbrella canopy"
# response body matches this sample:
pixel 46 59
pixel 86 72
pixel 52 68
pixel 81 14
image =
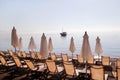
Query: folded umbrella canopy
pixel 72 46
pixel 14 38
pixel 20 43
pixel 86 50
pixel 50 45
pixel 98 48
pixel 44 47
pixel 32 44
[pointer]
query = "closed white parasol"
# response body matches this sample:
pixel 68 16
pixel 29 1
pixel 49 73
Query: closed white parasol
pixel 20 46
pixel 14 38
pixel 44 47
pixel 86 50
pixel 72 46
pixel 98 48
pixel 32 44
pixel 50 45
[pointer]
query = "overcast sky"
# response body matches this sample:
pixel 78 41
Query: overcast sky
pixel 50 16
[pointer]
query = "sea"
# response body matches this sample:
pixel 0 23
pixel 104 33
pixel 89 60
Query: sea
pixel 110 42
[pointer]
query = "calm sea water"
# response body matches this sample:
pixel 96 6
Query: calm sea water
pixel 110 42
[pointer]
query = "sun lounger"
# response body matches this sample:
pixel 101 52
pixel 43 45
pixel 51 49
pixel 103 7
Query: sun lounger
pixel 8 65
pixel 106 63
pixel 54 58
pixel 97 73
pixel 35 71
pixel 118 73
pixel 80 61
pixel 53 69
pixel 70 71
pixel 65 57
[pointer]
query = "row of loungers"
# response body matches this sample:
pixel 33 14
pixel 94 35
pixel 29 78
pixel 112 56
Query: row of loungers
pixel 102 69
pixel 18 66
pixel 54 67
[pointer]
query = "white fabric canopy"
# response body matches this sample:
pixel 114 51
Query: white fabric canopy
pixel 43 46
pixel 98 48
pixel 86 50
pixel 20 46
pixel 72 46
pixel 50 45
pixel 14 38
pixel 32 44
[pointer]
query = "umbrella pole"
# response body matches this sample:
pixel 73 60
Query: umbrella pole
pixel 72 55
pixel 98 57
pixel 15 50
pixel 49 54
pixel 86 69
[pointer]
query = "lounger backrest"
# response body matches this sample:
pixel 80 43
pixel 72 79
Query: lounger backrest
pixel 17 62
pixel 51 66
pixel 3 61
pixel 69 68
pixel 30 64
pixel 64 57
pixel 80 59
pixel 118 73
pixel 24 54
pixel 105 60
pixel 53 56
pixel 33 55
pixel 91 60
pixel 1 53
pixel 39 56
pixel 19 54
pixel 11 53
pixel 118 63
pixel 97 72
